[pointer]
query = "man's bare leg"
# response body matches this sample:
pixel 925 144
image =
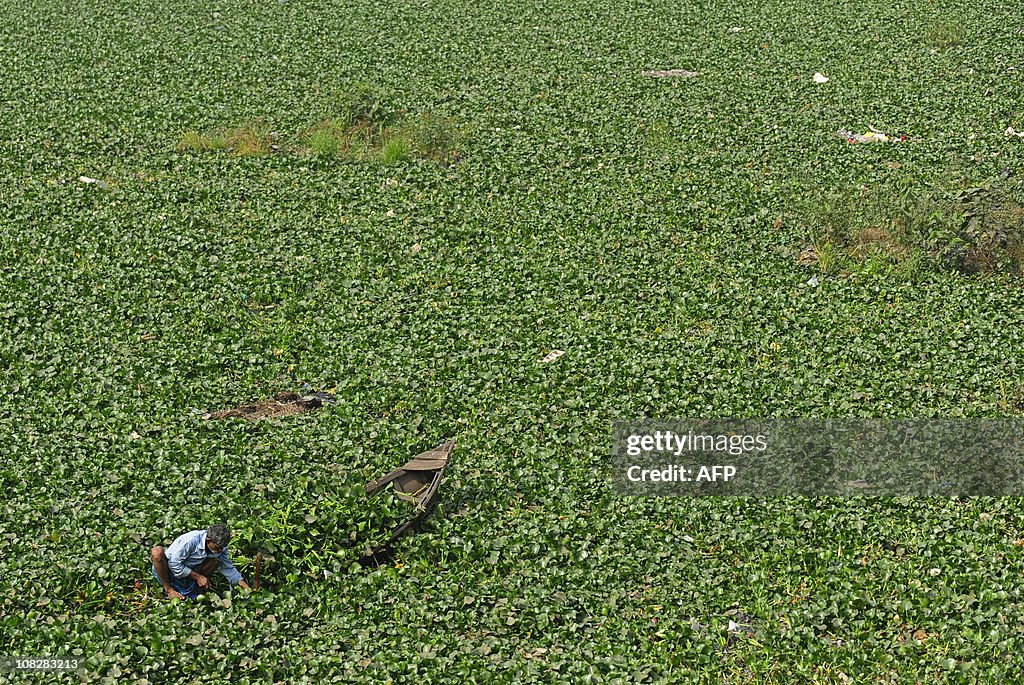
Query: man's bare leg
pixel 208 567
pixel 163 572
pixel 202 573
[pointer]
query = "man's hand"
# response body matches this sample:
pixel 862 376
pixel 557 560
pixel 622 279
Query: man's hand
pixel 174 594
pixel 202 581
pixel 243 584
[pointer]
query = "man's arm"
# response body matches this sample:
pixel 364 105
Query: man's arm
pixel 227 567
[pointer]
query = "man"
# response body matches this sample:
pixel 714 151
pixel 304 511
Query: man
pixel 184 569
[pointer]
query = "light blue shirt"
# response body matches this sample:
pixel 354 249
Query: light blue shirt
pixel 189 550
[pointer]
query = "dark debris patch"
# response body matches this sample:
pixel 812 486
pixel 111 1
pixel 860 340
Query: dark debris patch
pixel 280 405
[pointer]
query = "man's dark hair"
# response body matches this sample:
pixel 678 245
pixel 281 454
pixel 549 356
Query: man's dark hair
pixel 219 535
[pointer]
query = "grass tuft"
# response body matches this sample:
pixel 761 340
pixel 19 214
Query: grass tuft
pixel 190 141
pixel 396 149
pixel 325 141
pixel 245 141
pixel 193 141
pixel 943 34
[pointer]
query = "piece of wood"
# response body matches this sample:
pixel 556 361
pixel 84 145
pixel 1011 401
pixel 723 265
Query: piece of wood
pixel 257 562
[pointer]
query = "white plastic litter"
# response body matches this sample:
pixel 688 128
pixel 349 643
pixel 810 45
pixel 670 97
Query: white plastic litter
pixel 814 282
pixel 96 181
pixel 871 136
pixel 820 77
pixel 552 356
pixel 670 73
pixel 1011 132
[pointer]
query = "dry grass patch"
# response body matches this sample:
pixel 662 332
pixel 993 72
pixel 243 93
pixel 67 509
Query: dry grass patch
pixel 358 126
pixel 248 140
pixel 979 230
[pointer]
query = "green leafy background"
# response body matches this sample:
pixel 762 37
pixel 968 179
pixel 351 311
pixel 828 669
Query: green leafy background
pixel 631 222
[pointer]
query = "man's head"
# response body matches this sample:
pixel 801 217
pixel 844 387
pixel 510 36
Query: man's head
pixel 217 538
